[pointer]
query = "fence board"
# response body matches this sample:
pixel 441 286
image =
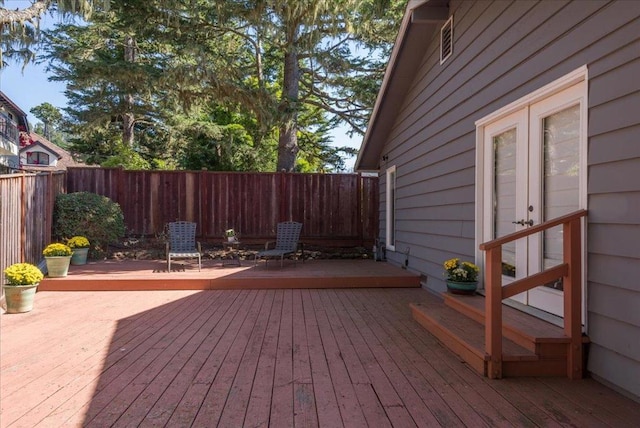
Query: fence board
pixel 26 215
pixel 333 207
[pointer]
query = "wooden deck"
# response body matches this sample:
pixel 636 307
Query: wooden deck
pixel 280 358
pixel 152 275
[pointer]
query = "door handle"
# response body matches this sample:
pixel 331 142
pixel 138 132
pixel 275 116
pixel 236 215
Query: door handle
pixel 523 222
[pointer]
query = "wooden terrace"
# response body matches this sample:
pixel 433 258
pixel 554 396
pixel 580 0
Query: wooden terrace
pixel 216 274
pixel 277 357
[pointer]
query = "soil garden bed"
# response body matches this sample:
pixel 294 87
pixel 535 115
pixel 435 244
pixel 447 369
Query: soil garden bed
pixel 154 249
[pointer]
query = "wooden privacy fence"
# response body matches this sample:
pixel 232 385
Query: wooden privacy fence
pixel 336 209
pixel 26 215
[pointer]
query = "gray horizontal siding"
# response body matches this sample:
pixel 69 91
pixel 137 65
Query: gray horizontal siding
pixel 626 343
pixel 614 271
pixel 620 240
pixel 617 304
pixel 502 52
pixel 614 204
pixel 614 368
pixel 616 145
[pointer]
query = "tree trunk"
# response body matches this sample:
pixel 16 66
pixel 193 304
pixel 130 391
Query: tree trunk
pixel 47 130
pixel 288 139
pixel 128 118
pixel 128 122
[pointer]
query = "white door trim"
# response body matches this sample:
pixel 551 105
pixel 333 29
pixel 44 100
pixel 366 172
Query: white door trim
pixel 574 78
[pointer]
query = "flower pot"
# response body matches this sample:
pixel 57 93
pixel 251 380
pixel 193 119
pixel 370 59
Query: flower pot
pixel 19 298
pixel 462 287
pixel 58 266
pixel 231 238
pixel 79 256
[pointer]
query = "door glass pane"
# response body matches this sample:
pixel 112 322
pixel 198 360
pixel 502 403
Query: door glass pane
pixel 504 194
pixel 561 178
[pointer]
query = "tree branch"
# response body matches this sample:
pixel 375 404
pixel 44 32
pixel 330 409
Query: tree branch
pixel 34 11
pixel 341 114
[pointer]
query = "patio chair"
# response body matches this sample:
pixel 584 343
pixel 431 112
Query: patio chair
pixel 182 243
pixel 287 236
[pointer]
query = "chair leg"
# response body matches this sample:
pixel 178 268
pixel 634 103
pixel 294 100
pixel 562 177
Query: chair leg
pixel 199 263
pixel 168 264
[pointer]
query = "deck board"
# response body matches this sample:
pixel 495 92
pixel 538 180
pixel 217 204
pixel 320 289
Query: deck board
pixel 462 401
pixel 492 408
pixel 343 384
pixel 419 411
pixel 272 358
pixel 388 398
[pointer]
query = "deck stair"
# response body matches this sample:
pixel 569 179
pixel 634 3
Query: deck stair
pixel 531 346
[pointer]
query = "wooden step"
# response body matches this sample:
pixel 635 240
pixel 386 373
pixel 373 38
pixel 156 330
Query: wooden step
pixel 544 339
pixel 465 337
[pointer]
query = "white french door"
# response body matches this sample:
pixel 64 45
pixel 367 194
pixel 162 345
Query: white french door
pixel 533 172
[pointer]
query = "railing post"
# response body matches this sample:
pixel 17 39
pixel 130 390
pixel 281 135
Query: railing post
pixel 493 311
pixel 572 296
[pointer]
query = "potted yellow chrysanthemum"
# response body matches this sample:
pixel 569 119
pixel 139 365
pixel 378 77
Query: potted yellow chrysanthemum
pixel 462 277
pixel 231 235
pixel 80 247
pixel 22 279
pixel 58 257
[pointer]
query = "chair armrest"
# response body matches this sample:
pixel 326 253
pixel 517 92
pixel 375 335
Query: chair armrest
pixel 199 247
pixel 166 250
pixel 267 244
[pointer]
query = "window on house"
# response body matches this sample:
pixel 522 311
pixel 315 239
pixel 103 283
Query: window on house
pixel 391 208
pixel 37 158
pixel 446 40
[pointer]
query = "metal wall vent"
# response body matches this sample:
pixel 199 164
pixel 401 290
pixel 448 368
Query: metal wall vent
pixel 446 40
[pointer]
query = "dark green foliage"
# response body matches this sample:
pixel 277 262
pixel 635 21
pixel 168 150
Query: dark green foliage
pixel 126 158
pixel 285 73
pixel 96 217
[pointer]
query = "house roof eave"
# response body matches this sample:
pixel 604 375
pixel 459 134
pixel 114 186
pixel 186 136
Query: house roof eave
pixel 23 116
pixel 419 24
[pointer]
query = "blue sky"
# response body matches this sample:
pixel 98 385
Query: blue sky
pixel 30 87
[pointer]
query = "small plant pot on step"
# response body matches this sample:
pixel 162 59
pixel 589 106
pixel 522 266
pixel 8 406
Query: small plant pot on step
pixel 79 256
pixel 19 298
pixel 58 266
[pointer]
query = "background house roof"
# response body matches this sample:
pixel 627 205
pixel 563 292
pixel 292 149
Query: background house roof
pixel 65 158
pixel 419 25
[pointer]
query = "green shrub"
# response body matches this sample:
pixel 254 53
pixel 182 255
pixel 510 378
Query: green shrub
pixel 96 217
